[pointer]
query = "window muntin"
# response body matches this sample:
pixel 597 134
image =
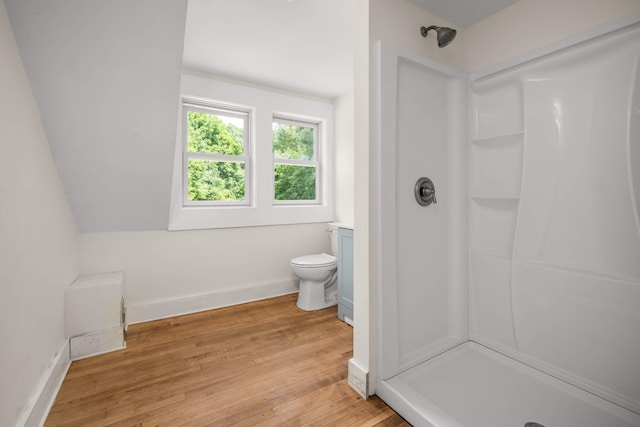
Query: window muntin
pixel 215 155
pixel 295 166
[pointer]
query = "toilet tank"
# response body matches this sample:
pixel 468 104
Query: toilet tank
pixel 333 235
pixel 333 230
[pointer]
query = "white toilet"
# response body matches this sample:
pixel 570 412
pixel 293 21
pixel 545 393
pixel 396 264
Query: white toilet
pixel 318 276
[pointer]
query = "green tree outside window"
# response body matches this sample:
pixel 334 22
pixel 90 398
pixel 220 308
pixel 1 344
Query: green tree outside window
pixel 295 143
pixel 215 179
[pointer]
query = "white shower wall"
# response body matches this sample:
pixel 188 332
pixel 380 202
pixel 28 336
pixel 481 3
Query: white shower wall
pixel 423 290
pixel 549 212
pixel 553 214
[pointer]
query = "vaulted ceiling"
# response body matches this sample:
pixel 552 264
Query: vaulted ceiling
pixel 298 45
pixel 106 76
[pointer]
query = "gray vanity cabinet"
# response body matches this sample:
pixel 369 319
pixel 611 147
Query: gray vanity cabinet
pixel 345 275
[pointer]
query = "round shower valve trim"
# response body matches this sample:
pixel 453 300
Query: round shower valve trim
pixel 425 192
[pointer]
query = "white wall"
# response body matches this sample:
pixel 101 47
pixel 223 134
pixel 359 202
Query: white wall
pixel 362 309
pixel 398 22
pixel 169 273
pixel 38 242
pixel 529 25
pixel 344 160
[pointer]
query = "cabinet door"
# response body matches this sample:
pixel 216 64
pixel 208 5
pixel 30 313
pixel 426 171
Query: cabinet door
pixel 345 274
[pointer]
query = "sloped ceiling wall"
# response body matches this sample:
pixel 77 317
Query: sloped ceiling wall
pixel 106 76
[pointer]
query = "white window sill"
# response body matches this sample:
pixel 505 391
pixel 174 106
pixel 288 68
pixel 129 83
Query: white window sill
pixel 205 217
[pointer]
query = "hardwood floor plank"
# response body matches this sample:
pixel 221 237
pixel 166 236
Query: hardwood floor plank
pixel 394 420
pixel 265 363
pixel 292 408
pixel 383 415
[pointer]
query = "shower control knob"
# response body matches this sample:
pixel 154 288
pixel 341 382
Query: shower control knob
pixel 425 192
pixel 428 193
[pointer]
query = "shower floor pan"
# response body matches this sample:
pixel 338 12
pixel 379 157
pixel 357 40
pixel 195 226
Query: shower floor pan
pixel 472 386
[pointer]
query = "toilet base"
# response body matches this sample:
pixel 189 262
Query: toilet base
pixel 312 296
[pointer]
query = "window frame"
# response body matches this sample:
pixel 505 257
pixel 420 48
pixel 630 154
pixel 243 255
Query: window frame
pixel 316 125
pixel 210 107
pixel 262 104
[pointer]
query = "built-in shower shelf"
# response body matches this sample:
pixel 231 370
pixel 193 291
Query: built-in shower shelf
pixel 500 195
pixel 495 166
pixel 499 110
pixel 496 198
pixel 508 138
pixel 490 256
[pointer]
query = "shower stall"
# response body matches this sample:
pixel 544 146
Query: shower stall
pixel 515 298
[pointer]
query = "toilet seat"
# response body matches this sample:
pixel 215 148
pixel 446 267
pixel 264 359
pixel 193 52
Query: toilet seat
pixel 315 261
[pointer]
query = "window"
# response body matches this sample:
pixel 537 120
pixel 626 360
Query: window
pixel 249 156
pixel 215 145
pixel 295 165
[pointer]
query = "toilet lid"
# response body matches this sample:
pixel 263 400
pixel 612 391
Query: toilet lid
pixel 317 260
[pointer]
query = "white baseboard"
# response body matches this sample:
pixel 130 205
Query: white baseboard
pixel 153 310
pixel 358 379
pixel 41 401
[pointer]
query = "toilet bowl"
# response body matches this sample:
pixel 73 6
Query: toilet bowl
pixel 318 281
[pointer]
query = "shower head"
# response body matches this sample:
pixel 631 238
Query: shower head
pixel 445 34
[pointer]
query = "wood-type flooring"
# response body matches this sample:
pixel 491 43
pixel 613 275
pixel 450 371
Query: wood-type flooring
pixel 265 363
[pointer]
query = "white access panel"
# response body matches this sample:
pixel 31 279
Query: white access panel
pixel 94 303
